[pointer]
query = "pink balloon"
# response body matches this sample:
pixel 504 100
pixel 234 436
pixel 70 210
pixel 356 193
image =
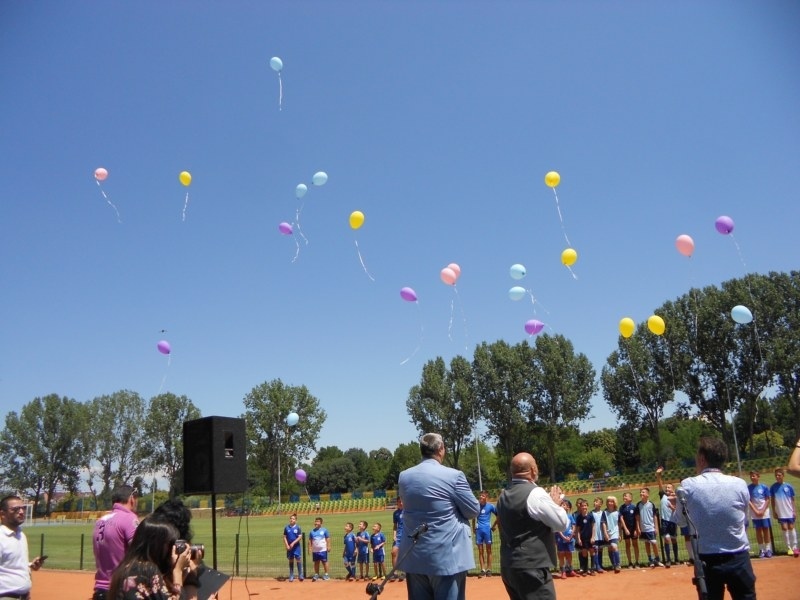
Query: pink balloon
pixel 685 245
pixel 455 269
pixel 533 326
pixel 448 276
pixel 163 347
pixel 724 225
pixel 285 228
pixel 408 294
pixel 100 174
pixel 300 475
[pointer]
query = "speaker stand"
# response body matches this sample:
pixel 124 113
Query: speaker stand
pixel 214 527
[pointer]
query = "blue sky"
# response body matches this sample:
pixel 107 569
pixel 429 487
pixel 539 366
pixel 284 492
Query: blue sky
pixel 438 120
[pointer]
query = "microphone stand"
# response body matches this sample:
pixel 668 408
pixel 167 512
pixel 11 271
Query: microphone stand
pixel 375 589
pixel 699 579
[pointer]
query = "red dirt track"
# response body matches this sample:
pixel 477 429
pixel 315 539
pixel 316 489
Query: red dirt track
pixel 776 578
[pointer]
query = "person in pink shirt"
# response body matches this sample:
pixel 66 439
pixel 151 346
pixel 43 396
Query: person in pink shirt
pixel 112 535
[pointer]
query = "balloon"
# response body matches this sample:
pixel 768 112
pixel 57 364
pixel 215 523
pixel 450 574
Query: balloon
pixel 741 314
pixel 448 276
pixel 356 219
pixel 292 419
pixel 656 324
pixel 319 178
pixel 455 269
pixel 300 475
pixel 685 245
pixel 276 64
pixel 408 294
pixel 516 293
pixel 626 327
pixel 185 177
pixel 724 225
pixel 517 271
pixel 568 257
pixel 163 347
pixel 533 326
pixel 300 190
pixel 552 179
pixel 100 174
pixel 285 228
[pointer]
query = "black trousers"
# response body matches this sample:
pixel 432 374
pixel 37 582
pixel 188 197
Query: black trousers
pixel 734 571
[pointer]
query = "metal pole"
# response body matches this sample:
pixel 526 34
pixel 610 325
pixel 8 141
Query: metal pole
pixel 214 526
pixel 477 452
pixel 279 481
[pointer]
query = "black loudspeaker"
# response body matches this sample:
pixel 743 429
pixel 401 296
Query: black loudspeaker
pixel 214 456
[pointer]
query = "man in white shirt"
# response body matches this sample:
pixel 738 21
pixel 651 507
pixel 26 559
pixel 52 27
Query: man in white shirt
pixel 15 569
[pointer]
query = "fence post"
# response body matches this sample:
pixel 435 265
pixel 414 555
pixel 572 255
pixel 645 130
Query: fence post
pixel 41 546
pixel 236 556
pixel 80 567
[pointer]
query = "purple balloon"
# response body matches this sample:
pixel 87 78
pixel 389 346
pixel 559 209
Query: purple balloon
pixel 300 475
pixel 163 347
pixel 408 294
pixel 724 225
pixel 285 228
pixel 533 326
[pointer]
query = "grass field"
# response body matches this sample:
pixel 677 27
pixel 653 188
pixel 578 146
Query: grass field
pixel 253 546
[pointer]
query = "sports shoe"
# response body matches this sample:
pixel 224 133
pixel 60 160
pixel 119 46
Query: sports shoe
pixel 796 551
pixel 658 563
pixel 291 577
pixel 591 573
pixel 762 554
pixel 789 552
pixel 617 569
pixel 482 573
pixel 315 577
pixel 489 571
pixel 601 570
pixel 401 578
pixel 668 564
pixel 571 574
pixel 768 554
pixel 325 577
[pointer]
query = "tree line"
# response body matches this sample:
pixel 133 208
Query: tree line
pixel 713 374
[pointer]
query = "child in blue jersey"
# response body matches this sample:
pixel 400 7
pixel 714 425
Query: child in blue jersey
pixel 362 549
pixel 646 527
pixel 627 523
pixel 584 526
pixel 565 543
pixel 377 540
pixel 783 506
pixel 398 528
pixel 599 534
pixel 349 551
pixel 292 539
pixel 320 541
pixel 483 529
pixel 612 527
pixel 759 513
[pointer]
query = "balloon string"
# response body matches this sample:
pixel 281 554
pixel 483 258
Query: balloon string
pixel 110 203
pixel 421 336
pixel 633 373
pixel 575 277
pixel 450 324
pixel 280 91
pixel 752 298
pixel 361 259
pixel 297 223
pixel 534 301
pixel 185 206
pixel 297 249
pixel 164 379
pixel 561 218
pixel 463 319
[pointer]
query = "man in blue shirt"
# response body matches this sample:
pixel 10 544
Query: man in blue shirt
pixel 483 529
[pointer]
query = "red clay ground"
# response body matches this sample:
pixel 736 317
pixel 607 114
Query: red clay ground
pixel 776 578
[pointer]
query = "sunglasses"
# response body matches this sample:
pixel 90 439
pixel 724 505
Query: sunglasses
pixel 15 508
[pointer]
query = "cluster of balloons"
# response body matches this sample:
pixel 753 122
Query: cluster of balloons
pixel 450 274
pixel 655 324
pixel 164 347
pixel 319 179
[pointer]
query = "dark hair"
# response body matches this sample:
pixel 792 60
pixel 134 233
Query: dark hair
pixel 714 450
pixel 174 511
pixel 149 554
pixel 121 493
pixel 430 444
pixel 4 501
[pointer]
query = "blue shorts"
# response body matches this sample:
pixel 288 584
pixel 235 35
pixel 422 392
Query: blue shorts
pixel 378 556
pixel 668 528
pixel 363 558
pixel 293 553
pixel 483 536
pixel 396 544
pixel 685 531
pixel 350 560
pixel 761 523
pixel 649 536
pixel 787 520
pixel 320 556
pixel 565 545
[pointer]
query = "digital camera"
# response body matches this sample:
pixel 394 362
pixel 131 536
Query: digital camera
pixel 198 550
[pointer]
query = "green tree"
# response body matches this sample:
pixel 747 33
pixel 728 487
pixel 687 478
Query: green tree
pixel 44 447
pixel 444 402
pixel 275 449
pixel 380 461
pixel 563 385
pixel 163 428
pixel 491 470
pixel 404 457
pixel 360 460
pixel 117 434
pixel 332 475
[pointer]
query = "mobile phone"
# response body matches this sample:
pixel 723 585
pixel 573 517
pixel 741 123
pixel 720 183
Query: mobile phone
pixel 42 558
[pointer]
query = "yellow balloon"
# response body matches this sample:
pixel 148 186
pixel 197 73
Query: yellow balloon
pixel 185 177
pixel 626 327
pixel 656 325
pixel 552 179
pixel 568 257
pixel 356 219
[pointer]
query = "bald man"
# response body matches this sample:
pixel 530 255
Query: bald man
pixel 528 515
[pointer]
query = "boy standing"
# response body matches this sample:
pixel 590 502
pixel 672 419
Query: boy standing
pixel 669 527
pixel 783 506
pixel 565 543
pixel 627 523
pixel 320 541
pixel 292 537
pixel 378 541
pixel 483 528
pixel 599 534
pixel 397 528
pixel 584 526
pixel 646 527
pixel 349 552
pixel 759 513
pixel 362 549
pixel 612 521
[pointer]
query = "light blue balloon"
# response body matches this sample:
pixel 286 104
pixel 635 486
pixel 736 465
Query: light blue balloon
pixel 300 190
pixel 276 64
pixel 516 293
pixel 292 419
pixel 741 314
pixel 517 271
pixel 319 178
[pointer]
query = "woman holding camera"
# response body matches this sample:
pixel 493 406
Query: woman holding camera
pixel 153 568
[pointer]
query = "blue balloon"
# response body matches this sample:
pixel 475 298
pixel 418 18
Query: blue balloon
pixel 292 419
pixel 276 64
pixel 319 178
pixel 300 190
pixel 741 314
pixel 517 271
pixel 516 293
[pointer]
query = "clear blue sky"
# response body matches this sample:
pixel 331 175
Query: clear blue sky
pixel 438 120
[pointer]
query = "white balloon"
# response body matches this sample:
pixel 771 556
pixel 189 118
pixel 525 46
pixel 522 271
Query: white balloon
pixel 292 419
pixel 276 64
pixel 300 190
pixel 319 178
